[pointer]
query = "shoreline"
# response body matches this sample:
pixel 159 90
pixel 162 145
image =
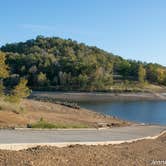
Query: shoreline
pixel 99 96
pixel 58 115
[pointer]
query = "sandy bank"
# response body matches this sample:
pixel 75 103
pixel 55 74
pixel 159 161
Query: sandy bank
pixel 55 113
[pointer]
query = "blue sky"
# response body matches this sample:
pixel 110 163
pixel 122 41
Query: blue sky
pixel 133 29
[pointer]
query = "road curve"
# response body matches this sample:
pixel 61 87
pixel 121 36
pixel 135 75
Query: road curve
pixel 22 139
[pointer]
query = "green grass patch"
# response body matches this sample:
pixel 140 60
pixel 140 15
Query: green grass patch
pixel 42 124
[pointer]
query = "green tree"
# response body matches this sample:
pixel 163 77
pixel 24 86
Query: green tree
pixel 63 76
pixel 160 75
pixel 20 91
pixel 4 73
pixel 151 73
pixel 3 67
pixel 82 81
pixel 141 74
pixel 1 89
pixel 42 79
pixel 72 64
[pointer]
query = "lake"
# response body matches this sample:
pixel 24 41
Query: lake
pixel 153 112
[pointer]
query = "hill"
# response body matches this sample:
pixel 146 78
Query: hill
pixel 60 64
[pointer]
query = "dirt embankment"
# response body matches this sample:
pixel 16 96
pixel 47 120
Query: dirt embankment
pixel 98 96
pixel 54 113
pixel 140 153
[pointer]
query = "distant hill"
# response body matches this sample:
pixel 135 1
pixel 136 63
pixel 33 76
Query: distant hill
pixel 68 65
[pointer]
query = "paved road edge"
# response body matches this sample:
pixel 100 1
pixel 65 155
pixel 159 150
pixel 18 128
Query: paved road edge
pixel 22 146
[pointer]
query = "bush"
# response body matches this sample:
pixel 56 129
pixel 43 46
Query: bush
pixel 20 91
pixel 42 124
pixel 11 99
pixel 8 106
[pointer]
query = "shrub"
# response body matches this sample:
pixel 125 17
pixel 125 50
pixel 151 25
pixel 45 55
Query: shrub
pixel 1 89
pixel 41 124
pixel 47 125
pixel 20 91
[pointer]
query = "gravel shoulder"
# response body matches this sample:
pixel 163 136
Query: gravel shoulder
pixel 139 153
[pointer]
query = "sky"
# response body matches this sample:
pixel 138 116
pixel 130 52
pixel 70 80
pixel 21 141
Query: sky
pixel 133 29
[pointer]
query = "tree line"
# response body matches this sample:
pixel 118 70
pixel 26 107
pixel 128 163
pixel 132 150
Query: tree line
pixel 68 65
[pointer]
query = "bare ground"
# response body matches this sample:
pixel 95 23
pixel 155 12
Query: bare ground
pixel 100 96
pixel 54 113
pixel 139 153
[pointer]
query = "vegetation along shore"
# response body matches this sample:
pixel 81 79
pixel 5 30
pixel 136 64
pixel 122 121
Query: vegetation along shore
pixel 53 63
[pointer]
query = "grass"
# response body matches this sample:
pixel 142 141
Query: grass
pixel 42 124
pixel 7 106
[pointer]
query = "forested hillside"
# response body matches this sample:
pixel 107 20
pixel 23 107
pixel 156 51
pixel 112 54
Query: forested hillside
pixel 68 65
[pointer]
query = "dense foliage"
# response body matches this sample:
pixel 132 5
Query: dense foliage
pixel 66 64
pixel 18 92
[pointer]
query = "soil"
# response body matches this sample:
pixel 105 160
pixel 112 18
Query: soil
pixel 55 113
pixel 139 153
pixel 99 96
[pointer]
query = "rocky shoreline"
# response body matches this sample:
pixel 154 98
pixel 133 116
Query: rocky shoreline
pixel 98 96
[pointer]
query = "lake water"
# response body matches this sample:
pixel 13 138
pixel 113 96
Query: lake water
pixel 153 112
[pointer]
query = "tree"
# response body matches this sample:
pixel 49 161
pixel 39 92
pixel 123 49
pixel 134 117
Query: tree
pixel 1 89
pixel 42 79
pixel 62 78
pixel 141 74
pixel 70 65
pixel 82 81
pixel 151 73
pixel 20 91
pixel 3 67
pixel 160 75
pixel 3 71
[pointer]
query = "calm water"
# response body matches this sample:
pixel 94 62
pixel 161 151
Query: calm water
pixel 153 112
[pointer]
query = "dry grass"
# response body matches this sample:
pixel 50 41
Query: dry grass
pixel 51 113
pixel 154 88
pixel 7 106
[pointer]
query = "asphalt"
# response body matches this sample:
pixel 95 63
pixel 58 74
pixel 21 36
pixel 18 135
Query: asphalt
pixel 23 138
